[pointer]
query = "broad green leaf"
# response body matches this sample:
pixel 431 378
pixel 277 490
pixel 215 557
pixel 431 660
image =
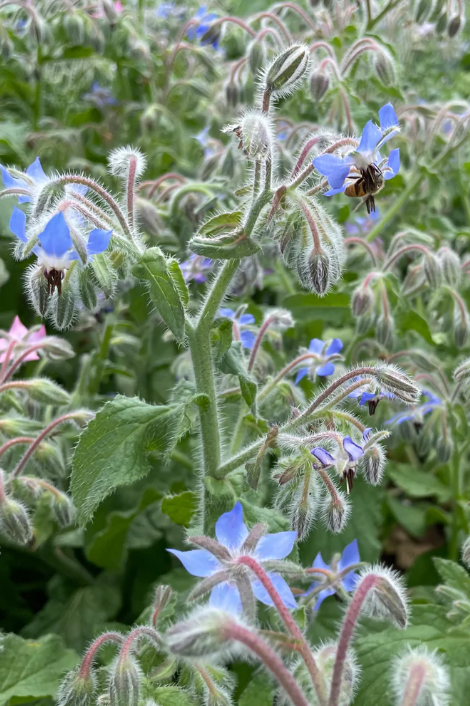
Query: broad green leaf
pixel 412 518
pixel 411 321
pixel 113 449
pixel 333 308
pixel 453 575
pixel 32 669
pixel 172 696
pixel 233 363
pixel 221 222
pixel 225 247
pixel 153 267
pixel 416 483
pixel 180 508
pixel 259 692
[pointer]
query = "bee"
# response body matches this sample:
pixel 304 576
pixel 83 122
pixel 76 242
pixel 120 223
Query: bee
pixel 365 185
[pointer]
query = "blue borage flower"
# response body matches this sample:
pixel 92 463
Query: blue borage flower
pixel 362 225
pixel 246 337
pixel 197 31
pixel 55 250
pixel 350 557
pixel 323 356
pixel 365 162
pixel 417 414
pixel 344 459
pixel 196 268
pixel 371 395
pixel 34 175
pixel 231 533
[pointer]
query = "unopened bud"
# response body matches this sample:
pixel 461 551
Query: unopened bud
pixel 385 69
pixel 462 372
pixel 281 319
pixel 75 28
pixel 77 689
pixel 364 324
pixel 461 326
pixel 46 391
pixel 441 24
pixel 319 84
pixel 335 511
pixel 37 290
pixel 325 657
pixel 466 552
pixel 256 56
pixel 384 329
pixel 63 509
pixel 423 10
pixel 201 635
pixel 212 35
pixel 15 522
pixel 319 271
pixel 423 444
pixel 86 289
pixel 362 300
pixel 431 270
pixel 255 135
pixel 420 678
pixel 57 348
pixel 110 11
pixel 287 69
pixel 373 464
pixel 425 360
pixel 124 682
pixel 386 600
pixel 450 266
pixel 62 308
pixel 445 449
pixel 397 382
pixel 122 158
pixel 162 597
pixel 232 94
pixel 454 26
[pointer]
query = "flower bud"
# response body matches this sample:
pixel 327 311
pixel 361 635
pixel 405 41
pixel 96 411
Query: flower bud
pixel 281 319
pixel 444 449
pixel 364 324
pixel 461 326
pixel 15 522
pixel 110 11
pixel 46 391
pixel 466 552
pixel 431 270
pixel 62 308
pixel 124 682
pixel 385 69
pixel 200 635
pixel 212 35
pixel 319 271
pixel 441 24
pixel 462 372
pixel 77 689
pixel 319 84
pixel 75 28
pixel 384 329
pixel 325 657
pixel 373 464
pixel 36 285
pixel 450 266
pixel 454 26
pixel 422 11
pixel 162 597
pixel 362 300
pixel 255 135
pixel 86 289
pixel 63 509
pixel 121 158
pixel 386 600
pixel 256 56
pixel 335 511
pixel 287 69
pixel 231 94
pixel 397 382
pixel 425 360
pixel 420 678
pixel 423 444
pixel 57 348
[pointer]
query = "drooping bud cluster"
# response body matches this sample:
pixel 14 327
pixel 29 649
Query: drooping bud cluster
pixel 420 678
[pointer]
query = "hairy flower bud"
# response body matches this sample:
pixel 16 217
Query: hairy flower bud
pixel 384 329
pixel 256 56
pixel 15 522
pixel 77 689
pixel 420 678
pixel 232 94
pixel 466 552
pixel 120 161
pixel 386 600
pixel 200 635
pixel 397 382
pixel 281 319
pixel 36 286
pixel 450 266
pixel 454 26
pixel 255 135
pixel 319 271
pixel 46 391
pixel 124 682
pixel 373 464
pixel 319 84
pixel 62 308
pixel 462 372
pixel 335 511
pixel 444 448
pixel 75 28
pixel 362 300
pixel 287 69
pixel 432 270
pixel 384 68
pixel 63 509
pixel 461 326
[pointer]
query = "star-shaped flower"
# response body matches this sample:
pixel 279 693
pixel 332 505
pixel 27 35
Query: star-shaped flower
pixel 336 573
pixel 18 332
pixel 204 20
pixel 417 414
pixel 34 175
pixel 224 576
pixel 344 459
pixel 246 337
pixel 371 395
pixel 323 357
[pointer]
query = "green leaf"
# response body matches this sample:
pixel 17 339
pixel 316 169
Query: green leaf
pixel 33 669
pixel 333 308
pixel 164 293
pixel 113 449
pixel 259 692
pixel 220 223
pixel 418 484
pixel 177 277
pixel 233 363
pixel 180 508
pixel 172 696
pixel 78 615
pixel 411 517
pixel 231 246
pixel 411 321
pixel 453 575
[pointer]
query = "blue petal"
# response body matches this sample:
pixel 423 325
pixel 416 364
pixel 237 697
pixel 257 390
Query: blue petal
pixel 98 241
pixel 322 595
pixel 350 556
pixel 349 582
pixel 275 546
pixel 22 198
pixel 247 319
pixel 330 164
pixel 393 163
pixel 387 138
pixel 230 529
pixel 228 313
pixel 55 238
pixel 325 370
pixel 322 455
pixel 320 564
pixel 9 182
pixel 333 192
pixel 18 224
pixel 199 562
pixel 366 433
pixel 35 171
pixel 369 138
pixel 352 449
pixel 366 396
pixel 226 597
pixel 406 418
pixel 388 117
pixel 336 346
pixel 248 339
pixel 300 375
pixel 281 587
pixel 316 346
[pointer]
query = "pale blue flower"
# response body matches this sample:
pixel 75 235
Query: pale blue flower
pixel 323 359
pixel 416 414
pixel 36 175
pixel 350 557
pixel 246 337
pixel 204 20
pixel 344 458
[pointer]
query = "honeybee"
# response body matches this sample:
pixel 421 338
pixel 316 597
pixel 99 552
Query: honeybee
pixel 365 185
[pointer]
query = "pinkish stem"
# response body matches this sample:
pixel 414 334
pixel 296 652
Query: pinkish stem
pixel 130 190
pixel 257 343
pixel 12 442
pixel 7 357
pixel 414 685
pixel 353 240
pixel 90 654
pixel 7 374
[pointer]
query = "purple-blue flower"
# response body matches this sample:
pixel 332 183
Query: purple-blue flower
pixel 55 250
pixel 34 175
pixel 416 414
pixel 231 533
pixel 344 459
pixel 246 337
pixel 365 162
pixel 350 557
pixel 362 224
pixel 196 268
pixel 197 31
pixel 323 357
pixel 100 95
pixel 371 395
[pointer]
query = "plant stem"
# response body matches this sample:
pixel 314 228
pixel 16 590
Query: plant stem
pixel 456 485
